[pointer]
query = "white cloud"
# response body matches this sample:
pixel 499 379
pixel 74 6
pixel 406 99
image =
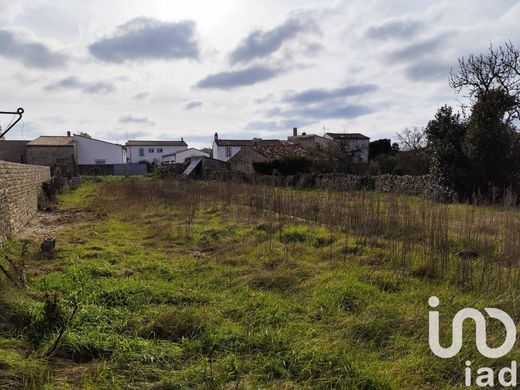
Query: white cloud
pixel 291 56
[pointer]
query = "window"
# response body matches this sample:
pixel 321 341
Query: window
pixel 228 151
pixel 100 162
pixel 159 150
pixel 150 150
pixel 141 152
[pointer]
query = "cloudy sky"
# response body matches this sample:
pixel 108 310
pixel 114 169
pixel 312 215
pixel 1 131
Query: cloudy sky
pixel 161 69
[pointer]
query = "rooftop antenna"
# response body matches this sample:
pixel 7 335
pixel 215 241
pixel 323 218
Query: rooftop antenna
pixel 18 112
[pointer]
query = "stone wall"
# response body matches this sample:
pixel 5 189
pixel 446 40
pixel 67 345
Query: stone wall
pixel 20 186
pixel 14 151
pixel 409 185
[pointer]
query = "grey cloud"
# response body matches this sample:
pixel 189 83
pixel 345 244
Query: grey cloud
pixel 428 71
pixel 346 111
pixel 146 39
pixel 395 29
pixel 141 95
pixel 419 49
pixel 192 104
pixel 284 124
pixel 97 87
pixel 136 118
pixel 31 54
pixel 260 44
pixel 238 78
pixel 320 94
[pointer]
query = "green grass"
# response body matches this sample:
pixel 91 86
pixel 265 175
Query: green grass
pixel 239 303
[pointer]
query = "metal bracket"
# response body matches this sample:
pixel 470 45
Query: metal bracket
pixel 18 112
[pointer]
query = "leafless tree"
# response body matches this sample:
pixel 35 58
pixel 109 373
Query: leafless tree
pixel 498 69
pixel 411 138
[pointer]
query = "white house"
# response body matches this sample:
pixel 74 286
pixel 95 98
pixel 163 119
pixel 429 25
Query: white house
pixel 180 157
pixel 152 151
pixel 224 149
pixel 354 143
pixel 91 151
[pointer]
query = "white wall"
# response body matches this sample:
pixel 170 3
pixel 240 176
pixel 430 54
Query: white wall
pixel 219 152
pixel 180 157
pixel 133 153
pixel 360 149
pixel 88 150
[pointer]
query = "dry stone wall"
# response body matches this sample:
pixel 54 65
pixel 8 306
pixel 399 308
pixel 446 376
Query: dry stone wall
pixel 409 185
pixel 20 186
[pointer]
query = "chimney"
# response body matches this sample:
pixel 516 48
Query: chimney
pixel 216 136
pixel 182 138
pixel 294 131
pixel 68 133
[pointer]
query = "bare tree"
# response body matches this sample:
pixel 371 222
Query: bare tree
pixel 498 69
pixel 411 138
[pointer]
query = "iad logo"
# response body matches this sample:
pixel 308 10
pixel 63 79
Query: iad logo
pixel 485 374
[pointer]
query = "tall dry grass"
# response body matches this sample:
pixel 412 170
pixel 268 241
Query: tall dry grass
pixel 409 234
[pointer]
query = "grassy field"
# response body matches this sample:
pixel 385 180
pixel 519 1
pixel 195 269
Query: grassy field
pixel 181 285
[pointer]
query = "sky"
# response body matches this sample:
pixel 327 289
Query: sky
pixel 166 69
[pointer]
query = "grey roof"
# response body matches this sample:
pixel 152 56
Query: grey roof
pixel 51 140
pixel 347 136
pixel 156 143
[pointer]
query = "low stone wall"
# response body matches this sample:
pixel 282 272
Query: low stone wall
pixel 409 185
pixel 20 186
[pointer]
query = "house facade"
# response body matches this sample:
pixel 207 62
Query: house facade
pixel 261 152
pixel 224 149
pixel 152 151
pixel 311 141
pixel 355 144
pixel 13 151
pixel 182 156
pixel 90 151
pixel 56 152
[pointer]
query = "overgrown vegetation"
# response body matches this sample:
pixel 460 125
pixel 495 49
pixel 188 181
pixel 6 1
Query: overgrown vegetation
pixel 180 284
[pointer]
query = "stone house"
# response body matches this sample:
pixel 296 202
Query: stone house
pixel 311 141
pixel 13 151
pixel 260 151
pixel 56 152
pixel 224 149
pixel 355 144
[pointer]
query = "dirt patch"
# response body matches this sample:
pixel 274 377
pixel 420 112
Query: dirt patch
pixel 46 224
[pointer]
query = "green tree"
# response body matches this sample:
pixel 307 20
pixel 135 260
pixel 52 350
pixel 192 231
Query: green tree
pixel 489 141
pixel 445 136
pixel 380 147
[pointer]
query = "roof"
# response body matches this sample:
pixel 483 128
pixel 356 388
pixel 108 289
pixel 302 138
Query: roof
pixel 156 143
pixel 51 140
pixel 347 136
pixel 282 149
pixel 245 142
pixel 97 140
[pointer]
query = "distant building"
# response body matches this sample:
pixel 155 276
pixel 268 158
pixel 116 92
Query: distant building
pixel 13 151
pixel 311 141
pixel 180 157
pixel 354 143
pixel 91 151
pixel 224 149
pixel 261 152
pixel 152 151
pixel 56 152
